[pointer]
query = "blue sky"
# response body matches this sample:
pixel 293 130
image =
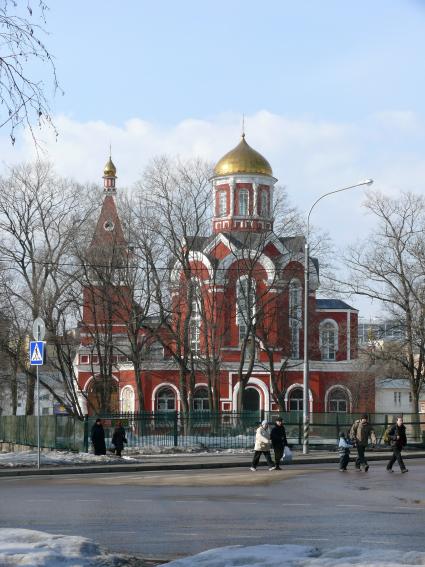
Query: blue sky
pixel 333 92
pixel 168 60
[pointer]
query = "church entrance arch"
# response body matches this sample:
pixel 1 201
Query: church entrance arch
pixel 251 399
pixel 97 399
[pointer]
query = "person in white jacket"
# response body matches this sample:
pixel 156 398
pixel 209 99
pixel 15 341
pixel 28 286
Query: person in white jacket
pixel 262 445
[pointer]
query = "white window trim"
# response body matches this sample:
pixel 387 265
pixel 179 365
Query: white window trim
pixel 338 387
pixel 222 211
pixel 336 329
pixel 244 192
pixel 295 322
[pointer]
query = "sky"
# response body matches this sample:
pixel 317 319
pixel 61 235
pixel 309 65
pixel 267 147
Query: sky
pixel 332 92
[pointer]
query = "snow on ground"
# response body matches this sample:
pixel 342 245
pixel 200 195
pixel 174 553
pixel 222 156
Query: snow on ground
pixel 132 455
pixel 30 548
pixel 300 556
pixel 60 458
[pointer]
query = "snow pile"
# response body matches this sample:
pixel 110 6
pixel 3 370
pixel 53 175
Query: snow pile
pixel 31 548
pixel 300 556
pixel 132 455
pixel 60 458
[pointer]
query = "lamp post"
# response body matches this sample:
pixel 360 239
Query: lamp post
pixel 306 412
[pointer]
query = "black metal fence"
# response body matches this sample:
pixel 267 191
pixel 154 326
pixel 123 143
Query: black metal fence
pixel 198 430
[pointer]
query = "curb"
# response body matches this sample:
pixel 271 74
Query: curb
pixel 88 469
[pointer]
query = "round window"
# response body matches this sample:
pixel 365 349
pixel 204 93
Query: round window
pixel 109 225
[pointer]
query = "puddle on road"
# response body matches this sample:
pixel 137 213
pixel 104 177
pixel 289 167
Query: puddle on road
pixel 245 478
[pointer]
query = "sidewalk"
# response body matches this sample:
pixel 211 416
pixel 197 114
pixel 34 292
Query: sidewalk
pixel 156 463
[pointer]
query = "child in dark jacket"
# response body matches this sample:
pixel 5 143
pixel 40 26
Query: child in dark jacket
pixel 344 447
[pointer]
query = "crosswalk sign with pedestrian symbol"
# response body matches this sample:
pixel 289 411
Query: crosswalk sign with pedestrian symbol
pixel 36 353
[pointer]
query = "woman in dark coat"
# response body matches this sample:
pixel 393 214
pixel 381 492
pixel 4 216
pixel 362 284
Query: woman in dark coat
pixel 98 438
pixel 118 438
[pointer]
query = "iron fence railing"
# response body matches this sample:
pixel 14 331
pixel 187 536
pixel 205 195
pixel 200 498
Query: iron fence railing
pixel 197 430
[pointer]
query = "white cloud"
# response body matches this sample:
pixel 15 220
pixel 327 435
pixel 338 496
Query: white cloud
pixel 309 156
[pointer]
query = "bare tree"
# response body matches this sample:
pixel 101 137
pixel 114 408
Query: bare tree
pixel 176 200
pixel 40 218
pixel 22 92
pixel 389 268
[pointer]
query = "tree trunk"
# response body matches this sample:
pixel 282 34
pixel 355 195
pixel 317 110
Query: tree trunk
pixel 29 405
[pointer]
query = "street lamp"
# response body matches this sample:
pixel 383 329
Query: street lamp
pixel 306 417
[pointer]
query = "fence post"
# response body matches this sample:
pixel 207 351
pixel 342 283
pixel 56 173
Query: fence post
pixel 86 433
pixel 299 430
pixel 176 429
pixel 337 428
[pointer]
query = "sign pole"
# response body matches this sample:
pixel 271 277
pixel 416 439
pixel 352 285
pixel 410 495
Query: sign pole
pixel 38 418
pixel 38 331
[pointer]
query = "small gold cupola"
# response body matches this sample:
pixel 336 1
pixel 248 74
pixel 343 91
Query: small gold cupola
pixel 109 176
pixel 110 170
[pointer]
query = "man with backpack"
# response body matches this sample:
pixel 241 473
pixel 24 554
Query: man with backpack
pixel 360 432
pixel 397 439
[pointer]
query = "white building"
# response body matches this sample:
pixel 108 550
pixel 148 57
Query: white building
pixel 394 396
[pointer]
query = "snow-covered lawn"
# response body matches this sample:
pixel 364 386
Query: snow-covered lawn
pixel 31 548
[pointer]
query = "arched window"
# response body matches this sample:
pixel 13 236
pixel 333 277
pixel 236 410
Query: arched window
pixel 245 305
pixel 296 400
pixel 155 351
pixel 243 202
pixel 222 203
pixel 200 399
pixel 127 399
pixel 328 339
pixel 166 399
pixel 195 317
pixel 338 401
pixel 295 314
pixel 264 203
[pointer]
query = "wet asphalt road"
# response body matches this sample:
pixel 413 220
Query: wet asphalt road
pixel 171 514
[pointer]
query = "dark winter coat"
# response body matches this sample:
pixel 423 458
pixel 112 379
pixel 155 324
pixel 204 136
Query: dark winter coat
pixel 98 439
pixel 397 435
pixel 360 433
pixel 118 438
pixel 278 437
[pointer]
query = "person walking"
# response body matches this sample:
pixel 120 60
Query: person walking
pixel 118 439
pixel 279 441
pixel 98 438
pixel 360 432
pixel 262 445
pixel 344 447
pixel 398 440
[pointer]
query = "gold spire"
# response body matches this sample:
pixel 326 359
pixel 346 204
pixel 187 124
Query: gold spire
pixel 243 159
pixel 110 170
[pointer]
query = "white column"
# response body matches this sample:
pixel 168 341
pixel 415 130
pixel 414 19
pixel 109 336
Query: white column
pixel 232 185
pixel 255 208
pixel 271 195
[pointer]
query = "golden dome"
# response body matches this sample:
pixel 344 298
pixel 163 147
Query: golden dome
pixel 110 170
pixel 243 159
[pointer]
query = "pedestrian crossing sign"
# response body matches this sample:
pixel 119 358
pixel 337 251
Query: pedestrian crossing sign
pixel 36 353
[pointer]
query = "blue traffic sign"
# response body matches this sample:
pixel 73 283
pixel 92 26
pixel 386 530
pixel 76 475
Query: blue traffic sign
pixel 36 353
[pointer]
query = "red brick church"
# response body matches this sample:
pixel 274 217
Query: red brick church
pixel 256 279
